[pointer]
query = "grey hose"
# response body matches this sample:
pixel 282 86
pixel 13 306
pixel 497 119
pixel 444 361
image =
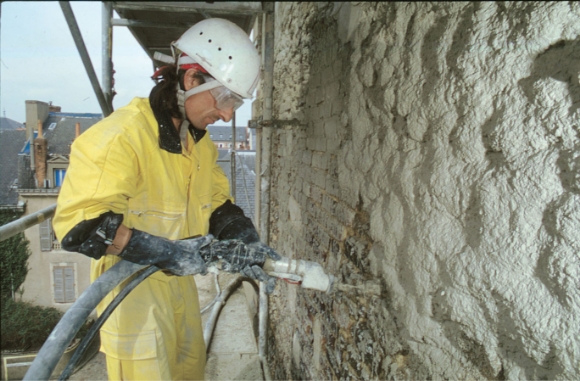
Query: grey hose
pixel 90 335
pixel 66 329
pixel 219 302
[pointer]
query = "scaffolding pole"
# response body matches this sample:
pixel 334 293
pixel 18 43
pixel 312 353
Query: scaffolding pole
pixel 23 223
pixel 80 44
pixel 266 138
pixel 107 53
pixel 233 156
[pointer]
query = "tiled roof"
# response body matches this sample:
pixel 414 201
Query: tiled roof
pixel 11 142
pixel 58 130
pixel 245 180
pixel 9 124
pixel 62 133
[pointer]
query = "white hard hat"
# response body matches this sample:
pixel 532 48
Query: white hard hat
pixel 225 51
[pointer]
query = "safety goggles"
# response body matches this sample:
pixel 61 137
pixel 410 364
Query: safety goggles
pixel 224 97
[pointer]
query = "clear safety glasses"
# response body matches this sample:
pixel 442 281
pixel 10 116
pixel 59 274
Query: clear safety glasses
pixel 225 98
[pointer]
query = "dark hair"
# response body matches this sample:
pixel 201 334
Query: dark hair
pixel 164 94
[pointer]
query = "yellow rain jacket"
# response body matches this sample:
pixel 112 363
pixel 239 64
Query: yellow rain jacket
pixel 117 165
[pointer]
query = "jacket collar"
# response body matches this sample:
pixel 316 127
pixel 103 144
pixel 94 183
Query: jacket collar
pixel 168 135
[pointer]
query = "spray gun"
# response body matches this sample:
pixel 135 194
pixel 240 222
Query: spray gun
pixel 311 275
pixel 307 274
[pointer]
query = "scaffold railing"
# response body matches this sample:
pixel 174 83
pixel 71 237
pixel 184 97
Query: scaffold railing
pixel 23 223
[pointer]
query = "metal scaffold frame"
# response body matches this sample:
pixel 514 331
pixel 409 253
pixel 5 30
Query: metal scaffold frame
pixel 249 14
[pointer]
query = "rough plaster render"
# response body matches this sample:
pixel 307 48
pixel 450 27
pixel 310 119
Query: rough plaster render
pixel 440 155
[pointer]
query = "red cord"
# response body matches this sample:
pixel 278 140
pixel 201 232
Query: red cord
pixel 291 281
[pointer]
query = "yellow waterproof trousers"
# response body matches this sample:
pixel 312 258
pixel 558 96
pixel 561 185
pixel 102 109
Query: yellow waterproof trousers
pixel 155 333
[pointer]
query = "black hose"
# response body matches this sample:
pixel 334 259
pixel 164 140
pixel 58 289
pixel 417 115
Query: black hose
pixel 86 341
pixel 66 329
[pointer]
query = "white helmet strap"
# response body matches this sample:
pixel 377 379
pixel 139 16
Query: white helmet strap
pixel 201 88
pixel 182 97
pixel 183 132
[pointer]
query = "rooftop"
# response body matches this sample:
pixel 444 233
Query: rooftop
pixel 9 124
pixel 11 143
pixel 224 133
pixel 59 129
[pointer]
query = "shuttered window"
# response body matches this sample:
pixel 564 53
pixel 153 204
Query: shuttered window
pixel 46 235
pixel 64 284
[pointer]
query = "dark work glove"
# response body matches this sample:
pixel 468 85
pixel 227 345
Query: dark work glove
pixel 237 257
pixel 92 237
pixel 228 222
pixel 177 257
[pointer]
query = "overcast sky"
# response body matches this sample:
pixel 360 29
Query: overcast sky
pixel 39 60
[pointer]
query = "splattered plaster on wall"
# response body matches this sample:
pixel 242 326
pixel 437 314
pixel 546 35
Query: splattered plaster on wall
pixel 441 157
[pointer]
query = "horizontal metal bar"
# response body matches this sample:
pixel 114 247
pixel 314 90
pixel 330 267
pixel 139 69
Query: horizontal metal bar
pixel 159 48
pixel 21 224
pixel 149 24
pixel 14 364
pixel 240 8
pixel 258 123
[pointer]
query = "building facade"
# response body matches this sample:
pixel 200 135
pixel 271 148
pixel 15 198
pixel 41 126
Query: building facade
pixel 56 277
pixel 222 137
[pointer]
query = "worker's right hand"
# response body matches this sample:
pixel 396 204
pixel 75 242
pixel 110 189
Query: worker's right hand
pixel 176 257
pixel 238 257
pixel 257 273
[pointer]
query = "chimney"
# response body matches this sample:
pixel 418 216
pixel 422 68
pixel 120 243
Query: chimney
pixel 39 129
pixel 35 111
pixel 77 130
pixel 52 108
pixel 40 154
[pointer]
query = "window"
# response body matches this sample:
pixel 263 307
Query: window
pixel 59 176
pixel 221 136
pixel 64 283
pixel 211 136
pixel 52 126
pixel 46 235
pixel 48 241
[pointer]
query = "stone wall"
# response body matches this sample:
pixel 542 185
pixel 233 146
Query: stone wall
pixel 440 156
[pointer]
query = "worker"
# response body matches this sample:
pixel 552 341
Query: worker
pixel 144 185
